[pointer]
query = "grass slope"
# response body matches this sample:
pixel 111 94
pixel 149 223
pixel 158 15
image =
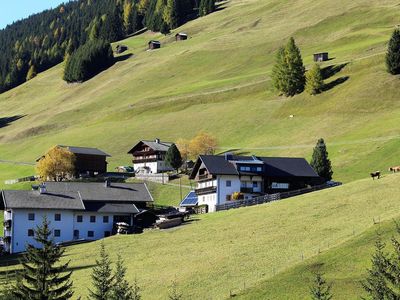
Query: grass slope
pixel 223 251
pixel 218 81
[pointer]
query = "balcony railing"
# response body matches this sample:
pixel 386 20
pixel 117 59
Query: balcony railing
pixel 205 177
pixel 206 190
pixel 7 224
pixel 145 160
pixel 246 190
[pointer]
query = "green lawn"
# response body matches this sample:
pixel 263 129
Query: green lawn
pixel 223 251
pixel 218 81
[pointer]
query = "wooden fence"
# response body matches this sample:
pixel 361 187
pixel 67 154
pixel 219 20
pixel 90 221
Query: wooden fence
pixel 273 197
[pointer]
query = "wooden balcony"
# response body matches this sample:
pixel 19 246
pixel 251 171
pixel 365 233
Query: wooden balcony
pixel 205 177
pixel 145 160
pixel 206 190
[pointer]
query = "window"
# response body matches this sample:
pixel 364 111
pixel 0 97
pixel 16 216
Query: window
pixel 92 219
pixel 228 183
pixel 31 217
pixel 90 233
pixel 57 232
pixel 105 219
pixel 107 233
pixel 76 234
pixel 79 219
pixel 255 184
pixel 31 232
pixel 57 217
pixel 259 169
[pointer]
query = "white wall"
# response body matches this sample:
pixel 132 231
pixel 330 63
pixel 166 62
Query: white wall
pixel 98 227
pixel 155 167
pixel 224 190
pixel 209 199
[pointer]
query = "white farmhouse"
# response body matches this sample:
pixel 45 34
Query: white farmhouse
pixel 149 157
pixel 221 179
pixel 76 211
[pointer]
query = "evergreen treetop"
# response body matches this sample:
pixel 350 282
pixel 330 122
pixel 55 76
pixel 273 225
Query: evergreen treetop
pixel 393 53
pixel 121 289
pixel 314 80
pixel 320 290
pixel 173 157
pixel 320 161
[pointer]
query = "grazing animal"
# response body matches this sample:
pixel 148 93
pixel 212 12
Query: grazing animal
pixel 376 174
pixel 394 169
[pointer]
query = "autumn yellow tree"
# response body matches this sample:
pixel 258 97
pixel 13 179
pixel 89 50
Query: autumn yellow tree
pixel 57 164
pixel 202 144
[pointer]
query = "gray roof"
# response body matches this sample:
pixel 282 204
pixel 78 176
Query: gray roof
pixel 157 146
pixel 102 207
pixel 33 199
pixel 85 150
pixel 96 191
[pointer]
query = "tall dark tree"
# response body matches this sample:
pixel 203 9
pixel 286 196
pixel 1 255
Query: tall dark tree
pixel 121 289
pixel 102 277
pixel 376 284
pixel 289 72
pixel 206 7
pixel 314 80
pixel 320 161
pixel 393 53
pixel 320 290
pixel 173 157
pixel 112 28
pixel 42 276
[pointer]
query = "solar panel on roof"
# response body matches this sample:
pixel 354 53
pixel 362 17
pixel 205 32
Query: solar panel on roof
pixel 190 200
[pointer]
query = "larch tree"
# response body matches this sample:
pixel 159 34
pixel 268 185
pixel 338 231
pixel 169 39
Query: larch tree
pixel 320 290
pixel 202 144
pixel 170 14
pixel 127 16
pixel 57 164
pixel 320 161
pixel 173 157
pixel 31 73
pixel 393 53
pixel 43 276
pixel 314 80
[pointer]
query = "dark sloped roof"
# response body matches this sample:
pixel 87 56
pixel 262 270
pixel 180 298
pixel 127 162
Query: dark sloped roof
pixel 85 150
pixel 287 166
pixel 160 146
pixel 101 207
pixel 215 164
pixel 96 191
pixel 33 199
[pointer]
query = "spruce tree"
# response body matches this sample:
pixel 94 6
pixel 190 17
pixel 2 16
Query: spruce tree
pixel 392 274
pixel 289 73
pixel 320 290
pixel 314 80
pixel 393 53
pixel 170 14
pixel 31 73
pixel 173 157
pixel 102 278
pixel 122 290
pixel 320 161
pixel 376 285
pixel 42 276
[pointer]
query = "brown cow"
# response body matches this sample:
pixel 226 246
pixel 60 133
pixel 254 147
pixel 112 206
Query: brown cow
pixel 376 174
pixel 394 169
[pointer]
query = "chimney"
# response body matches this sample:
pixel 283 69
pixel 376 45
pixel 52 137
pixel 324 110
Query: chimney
pixel 157 140
pixel 42 188
pixel 107 183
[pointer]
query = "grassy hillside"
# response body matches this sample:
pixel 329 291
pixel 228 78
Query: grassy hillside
pixel 218 81
pixel 223 251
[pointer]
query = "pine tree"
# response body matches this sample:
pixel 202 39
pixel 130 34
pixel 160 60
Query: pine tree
pixel 122 290
pixel 127 16
pixel 375 284
pixel 41 277
pixel 174 293
pixel 173 157
pixel 320 290
pixel 392 274
pixel 170 14
pixel 31 73
pixel 289 73
pixel 112 28
pixel 102 278
pixel 393 53
pixel 314 80
pixel 320 161
pixel 206 7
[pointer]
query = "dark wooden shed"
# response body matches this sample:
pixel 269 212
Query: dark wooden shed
pixel 154 45
pixel 322 56
pixel 181 36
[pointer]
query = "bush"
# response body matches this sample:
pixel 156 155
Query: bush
pixel 88 60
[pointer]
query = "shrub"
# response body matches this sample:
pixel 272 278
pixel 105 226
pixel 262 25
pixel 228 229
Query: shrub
pixel 90 59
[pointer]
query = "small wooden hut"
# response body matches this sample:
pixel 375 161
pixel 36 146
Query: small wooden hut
pixel 181 36
pixel 154 45
pixel 322 56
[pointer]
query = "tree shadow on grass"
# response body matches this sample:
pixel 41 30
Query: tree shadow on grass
pixel 334 83
pixel 332 70
pixel 4 122
pixel 122 57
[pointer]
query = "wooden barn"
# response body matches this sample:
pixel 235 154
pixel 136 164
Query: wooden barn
pixel 181 36
pixel 154 45
pixel 322 56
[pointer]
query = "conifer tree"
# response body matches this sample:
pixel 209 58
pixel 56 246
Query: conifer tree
pixel 127 16
pixel 31 73
pixel 289 73
pixel 206 7
pixel 320 161
pixel 102 278
pixel 314 80
pixel 122 290
pixel 393 53
pixel 43 277
pixel 173 157
pixel 136 291
pixel 320 290
pixel 170 14
pixel 375 284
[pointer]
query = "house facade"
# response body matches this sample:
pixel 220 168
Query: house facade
pixel 221 179
pixel 76 211
pixel 149 157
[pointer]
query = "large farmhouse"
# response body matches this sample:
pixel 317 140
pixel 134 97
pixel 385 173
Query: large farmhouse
pixel 76 211
pixel 223 178
pixel 149 156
